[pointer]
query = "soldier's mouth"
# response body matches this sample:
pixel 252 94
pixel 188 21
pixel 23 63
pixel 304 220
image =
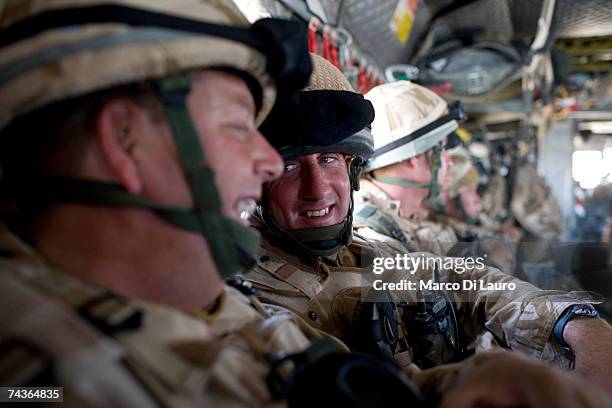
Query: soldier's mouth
pixel 245 208
pixel 318 213
pixel 318 217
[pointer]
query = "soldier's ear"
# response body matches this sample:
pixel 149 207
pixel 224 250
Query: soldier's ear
pixel 116 133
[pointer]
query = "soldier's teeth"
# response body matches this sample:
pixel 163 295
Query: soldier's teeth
pixel 318 213
pixel 246 208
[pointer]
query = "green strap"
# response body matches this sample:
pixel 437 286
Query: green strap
pixel 434 200
pixel 213 224
pixel 318 233
pixel 436 163
pixel 61 190
pixel 396 181
pixel 467 218
pixel 57 190
pixel 316 241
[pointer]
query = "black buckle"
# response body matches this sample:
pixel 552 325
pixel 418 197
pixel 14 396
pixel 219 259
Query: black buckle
pixel 173 91
pixel 111 314
pixel 285 45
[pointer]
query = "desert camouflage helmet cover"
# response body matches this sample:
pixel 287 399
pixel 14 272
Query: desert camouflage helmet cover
pixel 462 173
pixel 41 64
pixel 405 123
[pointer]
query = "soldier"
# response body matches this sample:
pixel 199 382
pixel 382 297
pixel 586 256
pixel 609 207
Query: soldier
pixel 115 289
pixel 397 197
pixel 534 206
pixel 537 212
pixel 462 201
pixel 129 138
pixel 309 265
pixel 116 293
pixel 405 172
pixel 463 213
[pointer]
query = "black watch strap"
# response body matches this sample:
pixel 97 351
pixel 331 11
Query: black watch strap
pixel 567 315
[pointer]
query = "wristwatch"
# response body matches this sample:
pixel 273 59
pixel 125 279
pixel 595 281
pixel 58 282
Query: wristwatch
pixel 567 315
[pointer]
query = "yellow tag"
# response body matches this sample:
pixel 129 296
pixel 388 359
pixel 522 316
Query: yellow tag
pixel 463 134
pixel 402 19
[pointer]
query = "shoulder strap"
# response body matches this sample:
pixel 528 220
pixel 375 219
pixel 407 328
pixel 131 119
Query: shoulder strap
pixel 380 222
pixel 310 284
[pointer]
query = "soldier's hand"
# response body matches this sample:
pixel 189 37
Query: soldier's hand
pixel 590 340
pixel 505 379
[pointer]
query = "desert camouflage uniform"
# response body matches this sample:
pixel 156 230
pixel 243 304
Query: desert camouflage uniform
pixel 325 292
pixel 109 351
pixel 377 216
pixel 494 198
pixel 534 206
pixel 481 239
pixel 105 350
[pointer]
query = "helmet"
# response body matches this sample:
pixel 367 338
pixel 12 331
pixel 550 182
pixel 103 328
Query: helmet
pixel 59 49
pixel 326 116
pixel 481 156
pixel 410 120
pixel 462 173
pixel 43 62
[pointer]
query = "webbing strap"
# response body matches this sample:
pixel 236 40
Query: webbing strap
pixel 200 176
pixel 400 182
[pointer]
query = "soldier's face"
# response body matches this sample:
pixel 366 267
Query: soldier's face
pixel 423 169
pixel 471 201
pixel 223 112
pixel 445 163
pixel 314 191
pixel 443 175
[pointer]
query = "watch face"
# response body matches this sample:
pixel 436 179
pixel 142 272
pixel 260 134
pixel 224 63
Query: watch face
pixel 586 311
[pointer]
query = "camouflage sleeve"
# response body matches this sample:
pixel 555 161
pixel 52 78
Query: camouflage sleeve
pixel 520 315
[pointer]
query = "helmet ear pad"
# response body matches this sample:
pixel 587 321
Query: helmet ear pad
pixel 355 170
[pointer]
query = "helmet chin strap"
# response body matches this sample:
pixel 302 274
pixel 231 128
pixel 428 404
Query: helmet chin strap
pixel 232 245
pixel 433 198
pixel 316 241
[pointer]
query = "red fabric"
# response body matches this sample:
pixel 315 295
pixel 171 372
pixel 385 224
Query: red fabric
pixel 313 44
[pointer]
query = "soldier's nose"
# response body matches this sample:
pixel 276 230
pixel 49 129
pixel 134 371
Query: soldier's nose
pixel 268 164
pixel 314 184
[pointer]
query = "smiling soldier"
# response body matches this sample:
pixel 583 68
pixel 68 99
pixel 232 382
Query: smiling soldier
pixel 311 264
pixel 129 138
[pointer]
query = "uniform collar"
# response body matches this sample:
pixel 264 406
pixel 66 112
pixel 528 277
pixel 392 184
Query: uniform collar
pixel 378 197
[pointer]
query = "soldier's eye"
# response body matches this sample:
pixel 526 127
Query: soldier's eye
pixel 290 167
pixel 239 130
pixel 328 158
